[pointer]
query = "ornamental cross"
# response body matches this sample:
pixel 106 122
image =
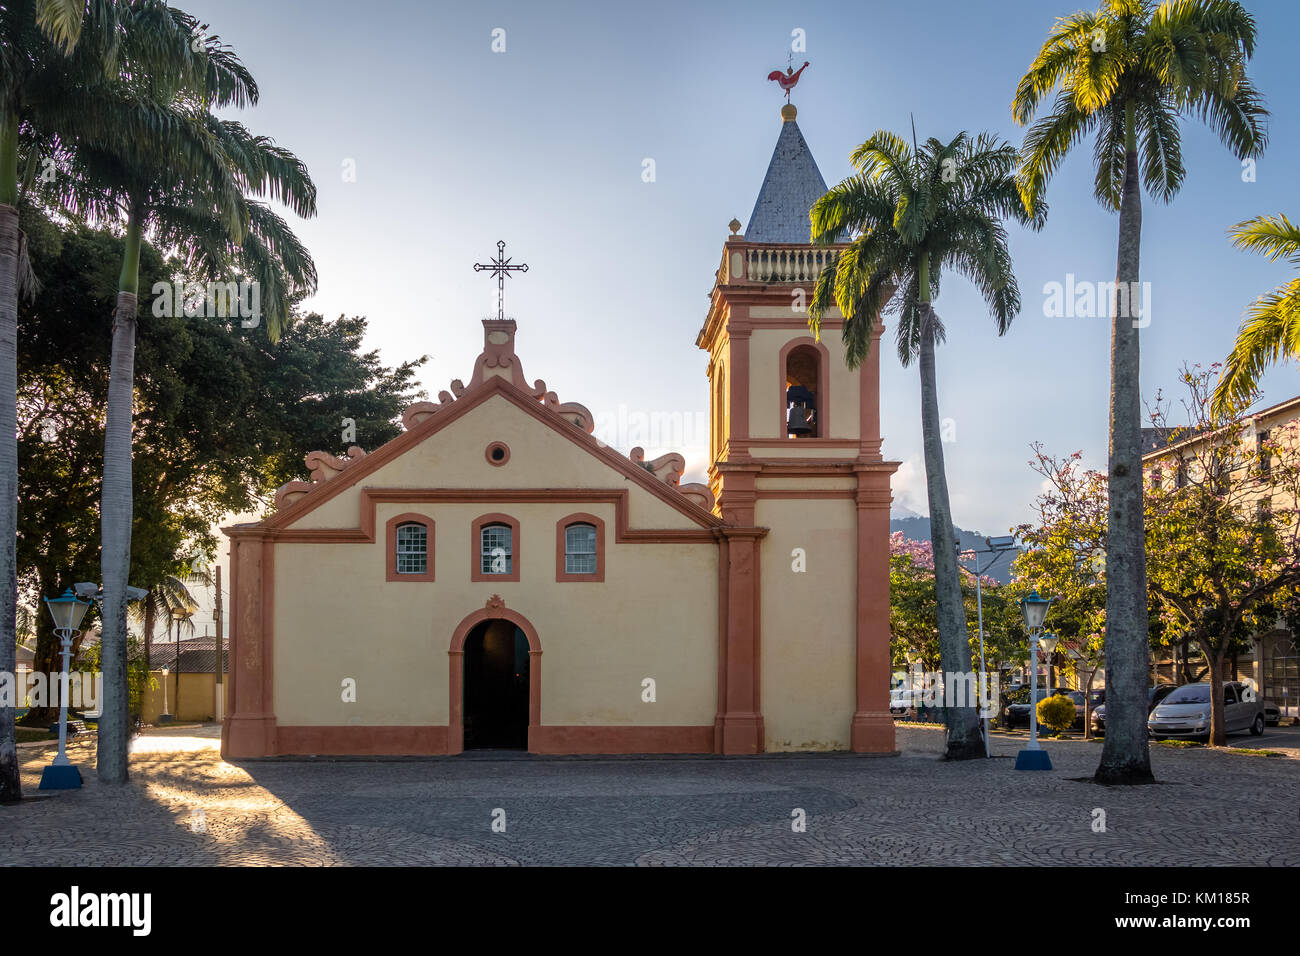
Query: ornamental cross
pixel 501 268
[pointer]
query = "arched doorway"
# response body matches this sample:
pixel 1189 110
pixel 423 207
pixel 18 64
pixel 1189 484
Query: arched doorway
pixel 484 694
pixel 496 687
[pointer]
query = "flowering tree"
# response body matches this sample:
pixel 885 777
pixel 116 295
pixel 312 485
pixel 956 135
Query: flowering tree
pixel 1065 558
pixel 1223 535
pixel 913 612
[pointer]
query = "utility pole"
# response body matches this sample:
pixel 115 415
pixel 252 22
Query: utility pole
pixel 220 703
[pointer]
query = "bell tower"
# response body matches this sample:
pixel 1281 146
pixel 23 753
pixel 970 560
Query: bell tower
pixel 795 456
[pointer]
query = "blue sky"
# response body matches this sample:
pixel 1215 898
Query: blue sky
pixel 456 146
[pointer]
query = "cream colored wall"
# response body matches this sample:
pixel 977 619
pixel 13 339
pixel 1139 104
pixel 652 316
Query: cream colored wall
pixel 655 615
pixel 454 458
pixel 197 697
pixel 809 623
pixel 764 377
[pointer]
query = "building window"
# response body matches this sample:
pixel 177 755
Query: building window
pixel 497 552
pixel 1263 453
pixel 580 548
pixel 412 549
pixel 409 544
pixel 495 541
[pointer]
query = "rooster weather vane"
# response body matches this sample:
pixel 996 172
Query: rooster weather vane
pixel 501 268
pixel 788 79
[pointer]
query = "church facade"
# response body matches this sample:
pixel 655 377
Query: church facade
pixel 496 577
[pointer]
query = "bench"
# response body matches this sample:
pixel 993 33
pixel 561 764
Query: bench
pixel 74 727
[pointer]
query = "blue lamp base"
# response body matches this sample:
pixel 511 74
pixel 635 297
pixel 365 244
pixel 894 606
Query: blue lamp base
pixel 1033 760
pixel 65 777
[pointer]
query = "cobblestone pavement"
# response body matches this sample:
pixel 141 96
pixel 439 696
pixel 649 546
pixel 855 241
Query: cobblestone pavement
pixel 184 805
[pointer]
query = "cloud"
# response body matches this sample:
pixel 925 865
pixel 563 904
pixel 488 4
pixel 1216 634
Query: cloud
pixel 909 488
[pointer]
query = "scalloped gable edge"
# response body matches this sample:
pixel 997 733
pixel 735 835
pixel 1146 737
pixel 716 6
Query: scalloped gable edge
pixel 687 499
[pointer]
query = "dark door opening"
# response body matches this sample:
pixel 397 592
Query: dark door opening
pixel 496 687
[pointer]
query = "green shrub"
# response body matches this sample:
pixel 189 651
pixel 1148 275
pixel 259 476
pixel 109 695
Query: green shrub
pixel 1056 712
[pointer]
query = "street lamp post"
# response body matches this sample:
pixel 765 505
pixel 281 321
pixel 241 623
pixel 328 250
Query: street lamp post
pixel 67 612
pixel 996 548
pixel 1034 609
pixel 179 616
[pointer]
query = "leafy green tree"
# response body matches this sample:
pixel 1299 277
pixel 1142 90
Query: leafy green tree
pixel 223 416
pixel 914 634
pixel 1223 536
pixel 914 213
pixel 913 611
pixel 1128 73
pixel 1272 331
pixel 1005 638
pixel 38 90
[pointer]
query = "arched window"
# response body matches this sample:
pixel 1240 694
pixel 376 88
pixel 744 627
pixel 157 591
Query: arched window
pixel 495 541
pixel 497 551
pixel 409 543
pixel 412 549
pixel 580 548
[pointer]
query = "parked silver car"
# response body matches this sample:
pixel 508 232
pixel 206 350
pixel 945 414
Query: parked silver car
pixel 1186 712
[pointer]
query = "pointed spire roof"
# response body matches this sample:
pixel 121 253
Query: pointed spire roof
pixel 792 184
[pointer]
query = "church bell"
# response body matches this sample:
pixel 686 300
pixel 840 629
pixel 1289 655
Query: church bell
pixel 800 421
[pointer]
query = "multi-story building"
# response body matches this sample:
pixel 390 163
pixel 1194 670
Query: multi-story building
pixel 1273 662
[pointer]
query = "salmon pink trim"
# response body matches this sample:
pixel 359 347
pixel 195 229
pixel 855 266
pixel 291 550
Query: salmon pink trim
pixel 390 544
pixel 476 548
pixel 579 517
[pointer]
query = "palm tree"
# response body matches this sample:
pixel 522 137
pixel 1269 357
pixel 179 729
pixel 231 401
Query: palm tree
pixel 916 212
pixel 1128 73
pixel 164 165
pixel 36 39
pixel 1272 331
pixel 171 593
pixel 151 61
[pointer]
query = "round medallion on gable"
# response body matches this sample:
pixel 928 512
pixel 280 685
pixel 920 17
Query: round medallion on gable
pixel 497 453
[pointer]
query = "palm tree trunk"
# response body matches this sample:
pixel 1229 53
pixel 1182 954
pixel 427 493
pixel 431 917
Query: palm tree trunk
pixel 115 516
pixel 964 740
pixel 1126 756
pixel 148 632
pixel 10 786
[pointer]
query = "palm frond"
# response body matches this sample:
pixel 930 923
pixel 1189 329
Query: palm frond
pixel 1272 236
pixel 1270 333
pixel 1054 63
pixel 1160 143
pixel 1048 142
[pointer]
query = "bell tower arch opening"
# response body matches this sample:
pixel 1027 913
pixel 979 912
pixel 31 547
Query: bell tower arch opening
pixel 803 392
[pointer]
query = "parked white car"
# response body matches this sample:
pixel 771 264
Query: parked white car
pixel 1185 713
